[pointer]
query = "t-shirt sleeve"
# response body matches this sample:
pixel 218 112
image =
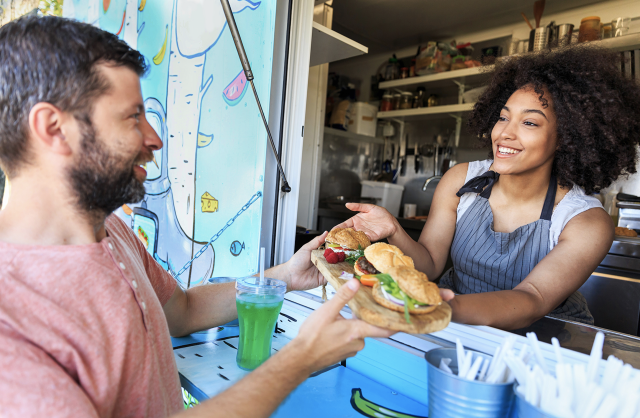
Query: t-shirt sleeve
pixel 32 384
pixel 163 283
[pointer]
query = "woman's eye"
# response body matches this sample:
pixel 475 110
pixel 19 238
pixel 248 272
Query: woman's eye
pixel 502 118
pixel 528 123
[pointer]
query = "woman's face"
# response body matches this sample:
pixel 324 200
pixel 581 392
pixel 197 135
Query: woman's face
pixel 524 138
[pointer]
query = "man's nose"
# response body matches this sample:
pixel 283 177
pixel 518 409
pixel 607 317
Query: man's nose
pixel 151 139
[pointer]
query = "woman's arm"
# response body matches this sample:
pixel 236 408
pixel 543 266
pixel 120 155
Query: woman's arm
pixel 431 251
pixel 582 245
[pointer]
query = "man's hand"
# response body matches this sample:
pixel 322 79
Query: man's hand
pixel 299 272
pixel 325 337
pixel 373 220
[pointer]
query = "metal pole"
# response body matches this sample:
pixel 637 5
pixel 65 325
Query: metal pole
pixel 247 71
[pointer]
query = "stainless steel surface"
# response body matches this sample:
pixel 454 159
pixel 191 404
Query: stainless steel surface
pixel 629 215
pixel 538 39
pixel 579 337
pixel 428 181
pixel 453 396
pixel 565 31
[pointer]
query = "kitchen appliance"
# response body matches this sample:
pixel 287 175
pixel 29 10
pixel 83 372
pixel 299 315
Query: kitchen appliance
pixel 389 195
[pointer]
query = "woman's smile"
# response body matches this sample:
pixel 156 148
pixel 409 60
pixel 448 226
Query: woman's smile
pixel 507 152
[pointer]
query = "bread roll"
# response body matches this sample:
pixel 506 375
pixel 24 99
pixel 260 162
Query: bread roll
pixel 384 256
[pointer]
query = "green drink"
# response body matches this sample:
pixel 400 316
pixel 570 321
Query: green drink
pixel 258 307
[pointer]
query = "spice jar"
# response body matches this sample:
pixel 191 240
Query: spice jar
pixel 404 72
pixel 416 101
pixel 421 96
pixel 387 102
pixel 589 29
pixel 434 100
pixel 405 100
pixel 396 101
pixel 412 69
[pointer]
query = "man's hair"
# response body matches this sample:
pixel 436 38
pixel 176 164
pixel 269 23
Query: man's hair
pixel 53 60
pixel 596 106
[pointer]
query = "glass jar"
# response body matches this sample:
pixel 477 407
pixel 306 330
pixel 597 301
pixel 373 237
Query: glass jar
pixel 396 101
pixel 392 71
pixel 416 101
pixel 589 29
pixel 434 100
pixel 607 31
pixel 404 72
pixel 405 100
pixel 387 102
pixel 421 92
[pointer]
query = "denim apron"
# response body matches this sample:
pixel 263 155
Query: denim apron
pixel 489 261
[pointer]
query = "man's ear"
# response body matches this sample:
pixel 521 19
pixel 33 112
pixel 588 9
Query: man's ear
pixel 46 124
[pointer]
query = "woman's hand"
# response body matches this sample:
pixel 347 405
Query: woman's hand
pixel 373 220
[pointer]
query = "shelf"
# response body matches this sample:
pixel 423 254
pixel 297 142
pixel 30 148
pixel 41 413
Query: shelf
pixel 426 113
pixel 621 43
pixel 353 136
pixel 467 75
pixel 329 46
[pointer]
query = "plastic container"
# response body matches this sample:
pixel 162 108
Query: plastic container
pixel 389 195
pixel 364 119
pixel 452 396
pixel 258 307
pixel 589 29
pixel 523 409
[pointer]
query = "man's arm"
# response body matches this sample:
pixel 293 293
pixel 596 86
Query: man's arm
pixel 211 305
pixel 325 338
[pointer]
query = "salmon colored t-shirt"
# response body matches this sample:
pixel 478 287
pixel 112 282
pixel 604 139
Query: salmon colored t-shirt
pixel 82 330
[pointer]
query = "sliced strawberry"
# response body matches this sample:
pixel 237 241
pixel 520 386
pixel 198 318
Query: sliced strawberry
pixel 332 258
pixel 341 257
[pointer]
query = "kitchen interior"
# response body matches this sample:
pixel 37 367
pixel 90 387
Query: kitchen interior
pixel 386 121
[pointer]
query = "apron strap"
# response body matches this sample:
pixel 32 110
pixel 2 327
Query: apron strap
pixel 550 199
pixel 478 184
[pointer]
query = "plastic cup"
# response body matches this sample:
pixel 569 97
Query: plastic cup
pixel 258 307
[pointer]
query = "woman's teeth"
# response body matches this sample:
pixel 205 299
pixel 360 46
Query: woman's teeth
pixel 505 150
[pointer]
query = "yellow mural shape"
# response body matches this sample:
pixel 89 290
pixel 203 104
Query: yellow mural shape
pixel 204 140
pixel 209 203
pixel 142 4
pixel 160 55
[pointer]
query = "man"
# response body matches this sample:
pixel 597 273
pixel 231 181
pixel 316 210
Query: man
pixel 82 327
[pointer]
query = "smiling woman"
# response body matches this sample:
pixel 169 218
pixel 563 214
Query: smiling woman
pixel 521 229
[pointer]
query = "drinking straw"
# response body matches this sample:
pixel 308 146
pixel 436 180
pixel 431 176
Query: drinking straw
pixel 473 370
pixel 444 365
pixel 611 373
pixel 595 357
pixel 460 354
pixel 483 370
pixel 261 265
pixel 607 407
pixel 556 348
pixel 535 345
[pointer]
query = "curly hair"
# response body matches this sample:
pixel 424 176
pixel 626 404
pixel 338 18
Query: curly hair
pixel 597 110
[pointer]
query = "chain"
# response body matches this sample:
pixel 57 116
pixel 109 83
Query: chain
pixel 230 222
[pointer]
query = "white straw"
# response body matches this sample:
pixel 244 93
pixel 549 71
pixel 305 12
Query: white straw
pixel 473 370
pixel 556 348
pixel 483 370
pixel 261 265
pixel 535 345
pixel 460 355
pixel 595 357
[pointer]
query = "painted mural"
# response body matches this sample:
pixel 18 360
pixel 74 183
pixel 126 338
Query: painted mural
pixel 204 188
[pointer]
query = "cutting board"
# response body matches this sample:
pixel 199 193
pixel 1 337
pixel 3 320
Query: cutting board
pixel 365 307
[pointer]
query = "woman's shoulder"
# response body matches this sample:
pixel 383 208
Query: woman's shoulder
pixel 573 203
pixel 477 168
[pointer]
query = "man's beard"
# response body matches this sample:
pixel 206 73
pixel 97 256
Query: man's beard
pixel 102 181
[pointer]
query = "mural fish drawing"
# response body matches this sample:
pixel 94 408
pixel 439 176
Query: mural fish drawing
pixel 236 248
pixel 234 92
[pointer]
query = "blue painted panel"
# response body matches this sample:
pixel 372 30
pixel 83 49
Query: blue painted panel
pixel 401 371
pixel 329 396
pixel 205 336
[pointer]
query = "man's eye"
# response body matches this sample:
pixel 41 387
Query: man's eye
pixel 136 116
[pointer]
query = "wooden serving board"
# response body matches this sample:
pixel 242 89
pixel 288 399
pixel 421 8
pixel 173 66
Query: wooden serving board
pixel 366 308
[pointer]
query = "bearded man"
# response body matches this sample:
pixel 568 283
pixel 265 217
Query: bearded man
pixel 85 311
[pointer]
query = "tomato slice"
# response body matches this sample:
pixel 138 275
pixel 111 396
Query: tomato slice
pixel 368 280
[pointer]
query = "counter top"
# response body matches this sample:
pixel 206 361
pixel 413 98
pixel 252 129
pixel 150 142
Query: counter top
pixel 579 337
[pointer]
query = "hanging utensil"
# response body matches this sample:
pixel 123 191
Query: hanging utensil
pixel 417 159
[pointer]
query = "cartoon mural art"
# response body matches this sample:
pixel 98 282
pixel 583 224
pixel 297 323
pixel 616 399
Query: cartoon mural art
pixel 214 144
pixel 370 409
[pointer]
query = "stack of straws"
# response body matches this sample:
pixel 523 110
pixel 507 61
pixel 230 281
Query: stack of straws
pixel 574 391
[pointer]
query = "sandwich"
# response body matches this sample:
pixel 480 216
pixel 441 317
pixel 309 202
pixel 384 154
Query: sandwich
pixel 404 289
pixel 347 241
pixel 379 258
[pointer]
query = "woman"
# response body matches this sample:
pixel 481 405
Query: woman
pixel 521 228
